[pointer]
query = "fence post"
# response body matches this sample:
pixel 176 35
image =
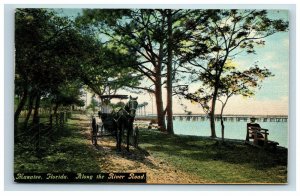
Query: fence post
pixel 56 120
pixel 69 114
pixel 50 123
pixel 66 116
pixel 61 120
pixel 37 135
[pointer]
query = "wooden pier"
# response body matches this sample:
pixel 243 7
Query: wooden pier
pixel 236 118
pixel 232 118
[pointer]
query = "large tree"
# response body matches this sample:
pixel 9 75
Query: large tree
pixel 243 83
pixel 150 35
pixel 220 38
pixel 232 82
pixel 36 65
pixel 141 32
pixel 48 51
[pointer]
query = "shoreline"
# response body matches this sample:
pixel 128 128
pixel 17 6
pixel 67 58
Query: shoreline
pixel 242 141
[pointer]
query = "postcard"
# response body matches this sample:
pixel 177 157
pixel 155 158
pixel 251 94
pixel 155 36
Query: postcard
pixel 151 96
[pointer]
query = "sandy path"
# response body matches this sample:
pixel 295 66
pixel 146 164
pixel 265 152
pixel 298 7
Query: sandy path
pixel 158 171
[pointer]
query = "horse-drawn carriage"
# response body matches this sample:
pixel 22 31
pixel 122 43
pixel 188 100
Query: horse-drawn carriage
pixel 116 120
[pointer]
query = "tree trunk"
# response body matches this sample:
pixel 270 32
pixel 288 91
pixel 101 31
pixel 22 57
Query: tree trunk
pixel 36 119
pixel 158 84
pixel 222 122
pixel 36 122
pixel 222 127
pixel 30 107
pixel 159 103
pixel 50 116
pixel 169 75
pixel 221 114
pixel 51 121
pixel 19 109
pixel 212 115
pixel 55 108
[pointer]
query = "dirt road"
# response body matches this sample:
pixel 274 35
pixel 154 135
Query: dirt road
pixel 158 171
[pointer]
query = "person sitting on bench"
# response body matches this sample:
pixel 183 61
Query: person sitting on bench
pixel 254 124
pixel 258 134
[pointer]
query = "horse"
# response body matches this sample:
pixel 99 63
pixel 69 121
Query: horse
pixel 124 119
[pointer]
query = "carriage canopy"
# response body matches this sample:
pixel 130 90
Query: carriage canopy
pixel 114 96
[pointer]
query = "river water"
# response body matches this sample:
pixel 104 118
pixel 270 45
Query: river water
pixel 233 129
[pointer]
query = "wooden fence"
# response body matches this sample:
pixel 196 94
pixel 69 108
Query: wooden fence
pixel 46 130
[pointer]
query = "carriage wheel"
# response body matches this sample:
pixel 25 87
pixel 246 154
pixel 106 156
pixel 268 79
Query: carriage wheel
pixel 118 139
pixel 135 137
pixel 94 139
pixel 102 129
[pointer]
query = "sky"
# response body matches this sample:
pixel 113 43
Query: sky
pixel 271 99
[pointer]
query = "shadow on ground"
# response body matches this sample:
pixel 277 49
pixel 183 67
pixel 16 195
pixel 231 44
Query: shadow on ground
pixel 207 149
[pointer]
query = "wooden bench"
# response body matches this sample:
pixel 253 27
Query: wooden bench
pixel 259 136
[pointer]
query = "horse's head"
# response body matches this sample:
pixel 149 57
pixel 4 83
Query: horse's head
pixel 132 106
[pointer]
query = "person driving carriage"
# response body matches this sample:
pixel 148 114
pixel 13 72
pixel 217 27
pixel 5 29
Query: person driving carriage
pixel 106 107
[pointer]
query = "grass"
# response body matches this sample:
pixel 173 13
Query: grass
pixel 211 161
pixel 67 153
pixel 205 158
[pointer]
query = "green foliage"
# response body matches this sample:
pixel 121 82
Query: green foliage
pixel 117 106
pixel 41 49
pixel 93 105
pixel 109 67
pixel 144 35
pixel 215 43
pixel 135 36
pixel 243 82
pixel 232 82
pixel 48 50
pixel 68 94
pixel 55 57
